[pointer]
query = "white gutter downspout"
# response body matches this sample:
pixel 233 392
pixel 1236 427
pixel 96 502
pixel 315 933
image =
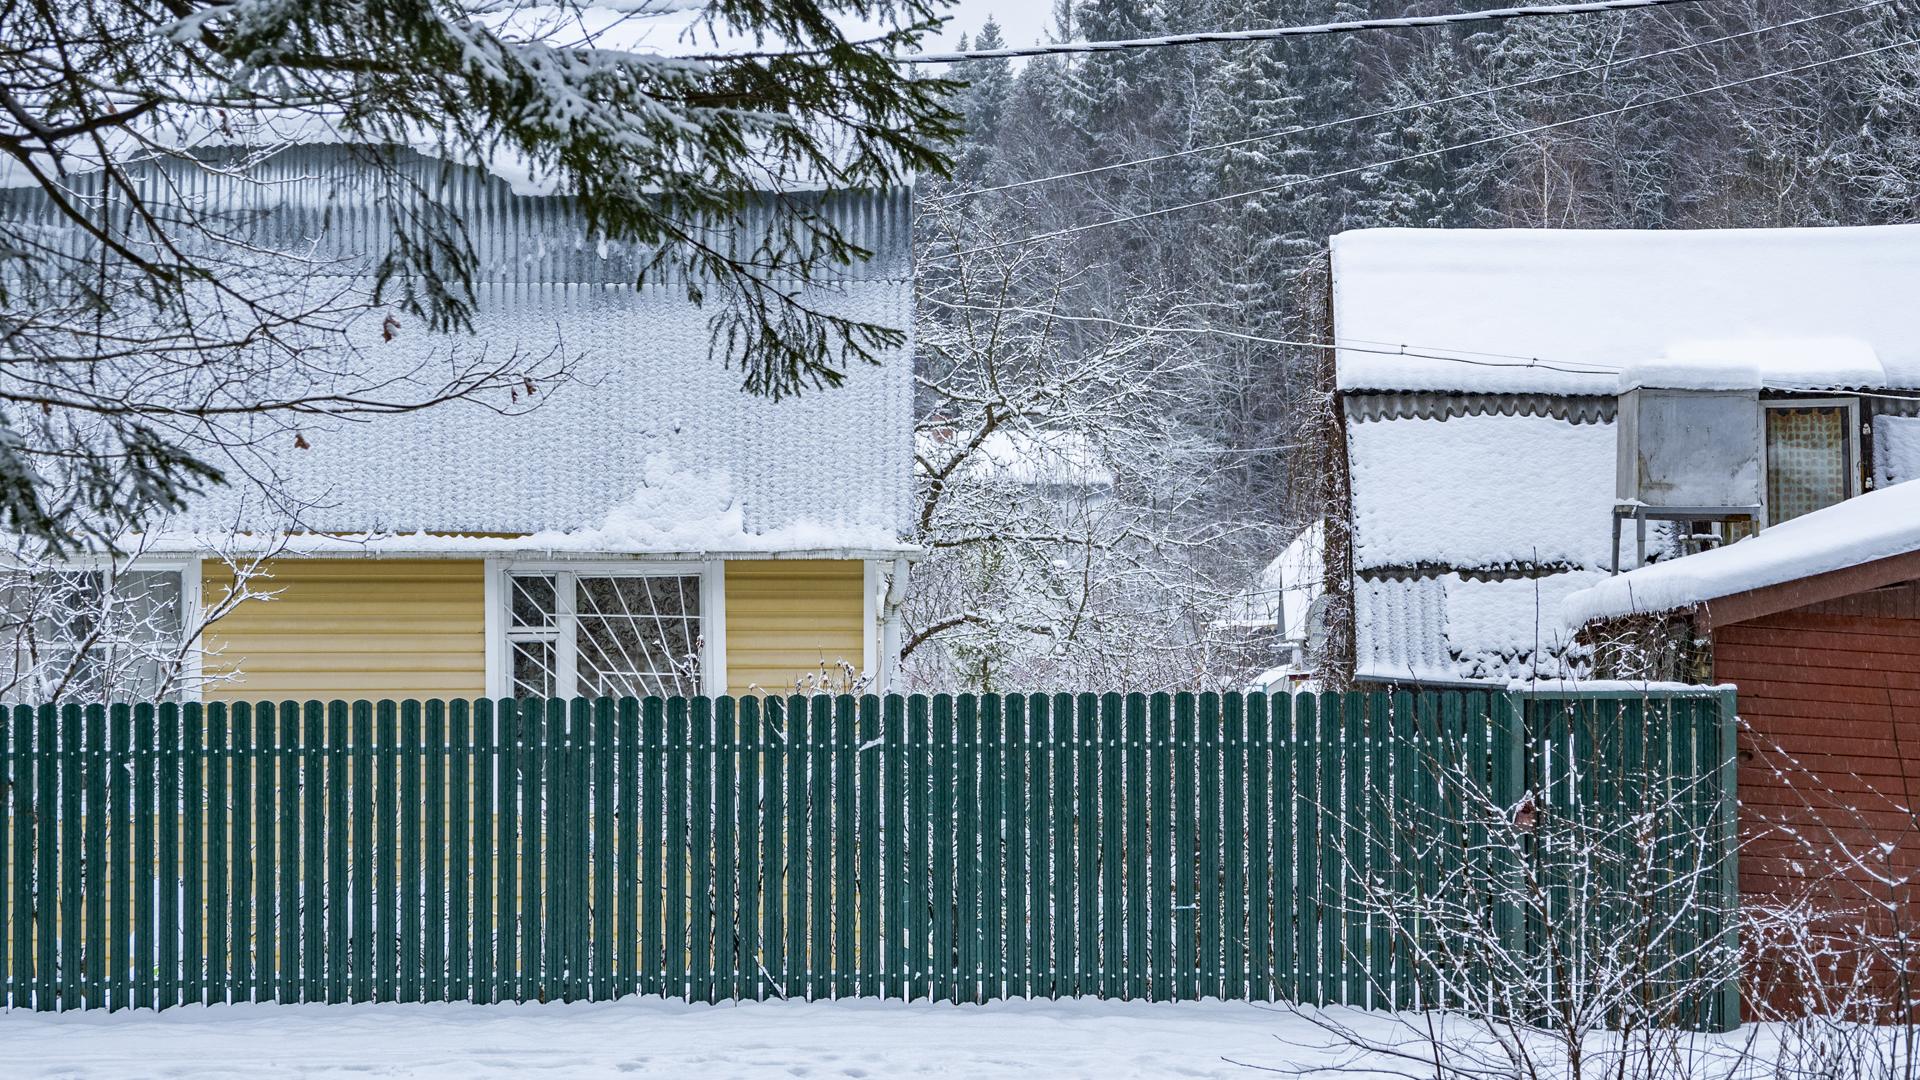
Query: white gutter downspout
pixel 890 622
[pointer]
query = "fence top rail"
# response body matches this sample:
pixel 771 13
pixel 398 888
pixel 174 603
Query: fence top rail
pixel 1540 693
pixel 1609 690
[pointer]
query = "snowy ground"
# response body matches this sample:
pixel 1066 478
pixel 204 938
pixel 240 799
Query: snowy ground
pixel 653 1038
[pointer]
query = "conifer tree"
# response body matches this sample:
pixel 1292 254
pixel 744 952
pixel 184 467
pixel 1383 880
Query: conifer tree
pixel 982 105
pixel 1443 190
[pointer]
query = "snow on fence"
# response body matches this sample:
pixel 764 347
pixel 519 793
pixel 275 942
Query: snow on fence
pixel 961 848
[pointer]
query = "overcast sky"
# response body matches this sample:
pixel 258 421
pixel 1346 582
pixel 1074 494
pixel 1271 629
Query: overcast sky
pixel 1023 22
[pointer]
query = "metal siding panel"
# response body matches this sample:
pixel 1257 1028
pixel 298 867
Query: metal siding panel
pixel 787 617
pixel 347 628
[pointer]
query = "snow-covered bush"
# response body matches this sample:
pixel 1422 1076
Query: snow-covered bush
pixel 122 627
pixel 1569 917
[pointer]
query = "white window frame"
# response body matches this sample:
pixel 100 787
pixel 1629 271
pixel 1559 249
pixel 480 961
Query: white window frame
pixel 193 655
pixel 498 592
pixel 1855 466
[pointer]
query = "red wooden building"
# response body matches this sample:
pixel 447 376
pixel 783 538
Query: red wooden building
pixel 1816 622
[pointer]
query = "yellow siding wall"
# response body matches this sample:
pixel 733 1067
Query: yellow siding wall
pixel 352 628
pixel 785 617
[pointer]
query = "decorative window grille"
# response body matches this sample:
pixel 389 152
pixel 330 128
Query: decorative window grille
pixel 603 635
pixel 1810 459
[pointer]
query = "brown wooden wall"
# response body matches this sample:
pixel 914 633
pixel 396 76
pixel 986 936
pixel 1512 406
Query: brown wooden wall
pixel 1829 696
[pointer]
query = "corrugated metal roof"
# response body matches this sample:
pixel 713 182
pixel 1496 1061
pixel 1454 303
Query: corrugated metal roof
pixel 1428 405
pixel 1447 626
pixel 325 203
pixel 1400 629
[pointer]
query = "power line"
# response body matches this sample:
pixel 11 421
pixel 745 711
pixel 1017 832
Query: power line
pixel 1419 155
pixel 1275 32
pixel 1363 117
pixel 1359 345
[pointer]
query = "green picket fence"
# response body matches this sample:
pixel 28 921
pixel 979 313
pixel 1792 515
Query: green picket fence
pixel 1162 847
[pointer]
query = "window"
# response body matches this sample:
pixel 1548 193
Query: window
pixel 95 635
pixel 1812 457
pixel 599 633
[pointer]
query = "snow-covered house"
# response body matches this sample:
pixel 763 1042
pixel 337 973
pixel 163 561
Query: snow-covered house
pixel 649 527
pixel 1283 605
pixel 1519 407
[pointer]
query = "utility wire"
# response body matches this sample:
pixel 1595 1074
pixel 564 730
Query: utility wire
pixel 1359 345
pixel 1419 155
pixel 1274 32
pixel 1353 345
pixel 1450 99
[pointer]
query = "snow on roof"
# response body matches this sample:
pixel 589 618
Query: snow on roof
pixel 596 458
pixel 1877 525
pixel 1287 587
pixel 1449 627
pixel 1564 311
pixel 1432 497
pixel 1028 457
pixel 1284 679
pixel 1510 618
pixel 653 444
pixel 1759 364
pixel 1896 450
pixel 1612 687
pixel 675 510
pixel 1481 491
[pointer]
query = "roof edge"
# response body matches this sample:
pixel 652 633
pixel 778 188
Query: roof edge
pixel 472 546
pixel 1730 608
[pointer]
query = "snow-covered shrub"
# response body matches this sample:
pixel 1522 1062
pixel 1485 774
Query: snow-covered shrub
pixel 1569 918
pixel 1832 859
pixel 1069 500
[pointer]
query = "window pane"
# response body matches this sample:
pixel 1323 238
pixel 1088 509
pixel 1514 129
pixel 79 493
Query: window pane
pixel 638 635
pixel 74 605
pixel 532 669
pixel 152 599
pixel 1807 466
pixel 532 601
pixel 83 635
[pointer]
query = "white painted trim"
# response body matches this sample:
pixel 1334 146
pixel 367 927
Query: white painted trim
pixel 609 564
pixel 566 646
pixel 193 661
pixel 495 599
pixel 898 580
pixel 871 584
pixel 713 615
